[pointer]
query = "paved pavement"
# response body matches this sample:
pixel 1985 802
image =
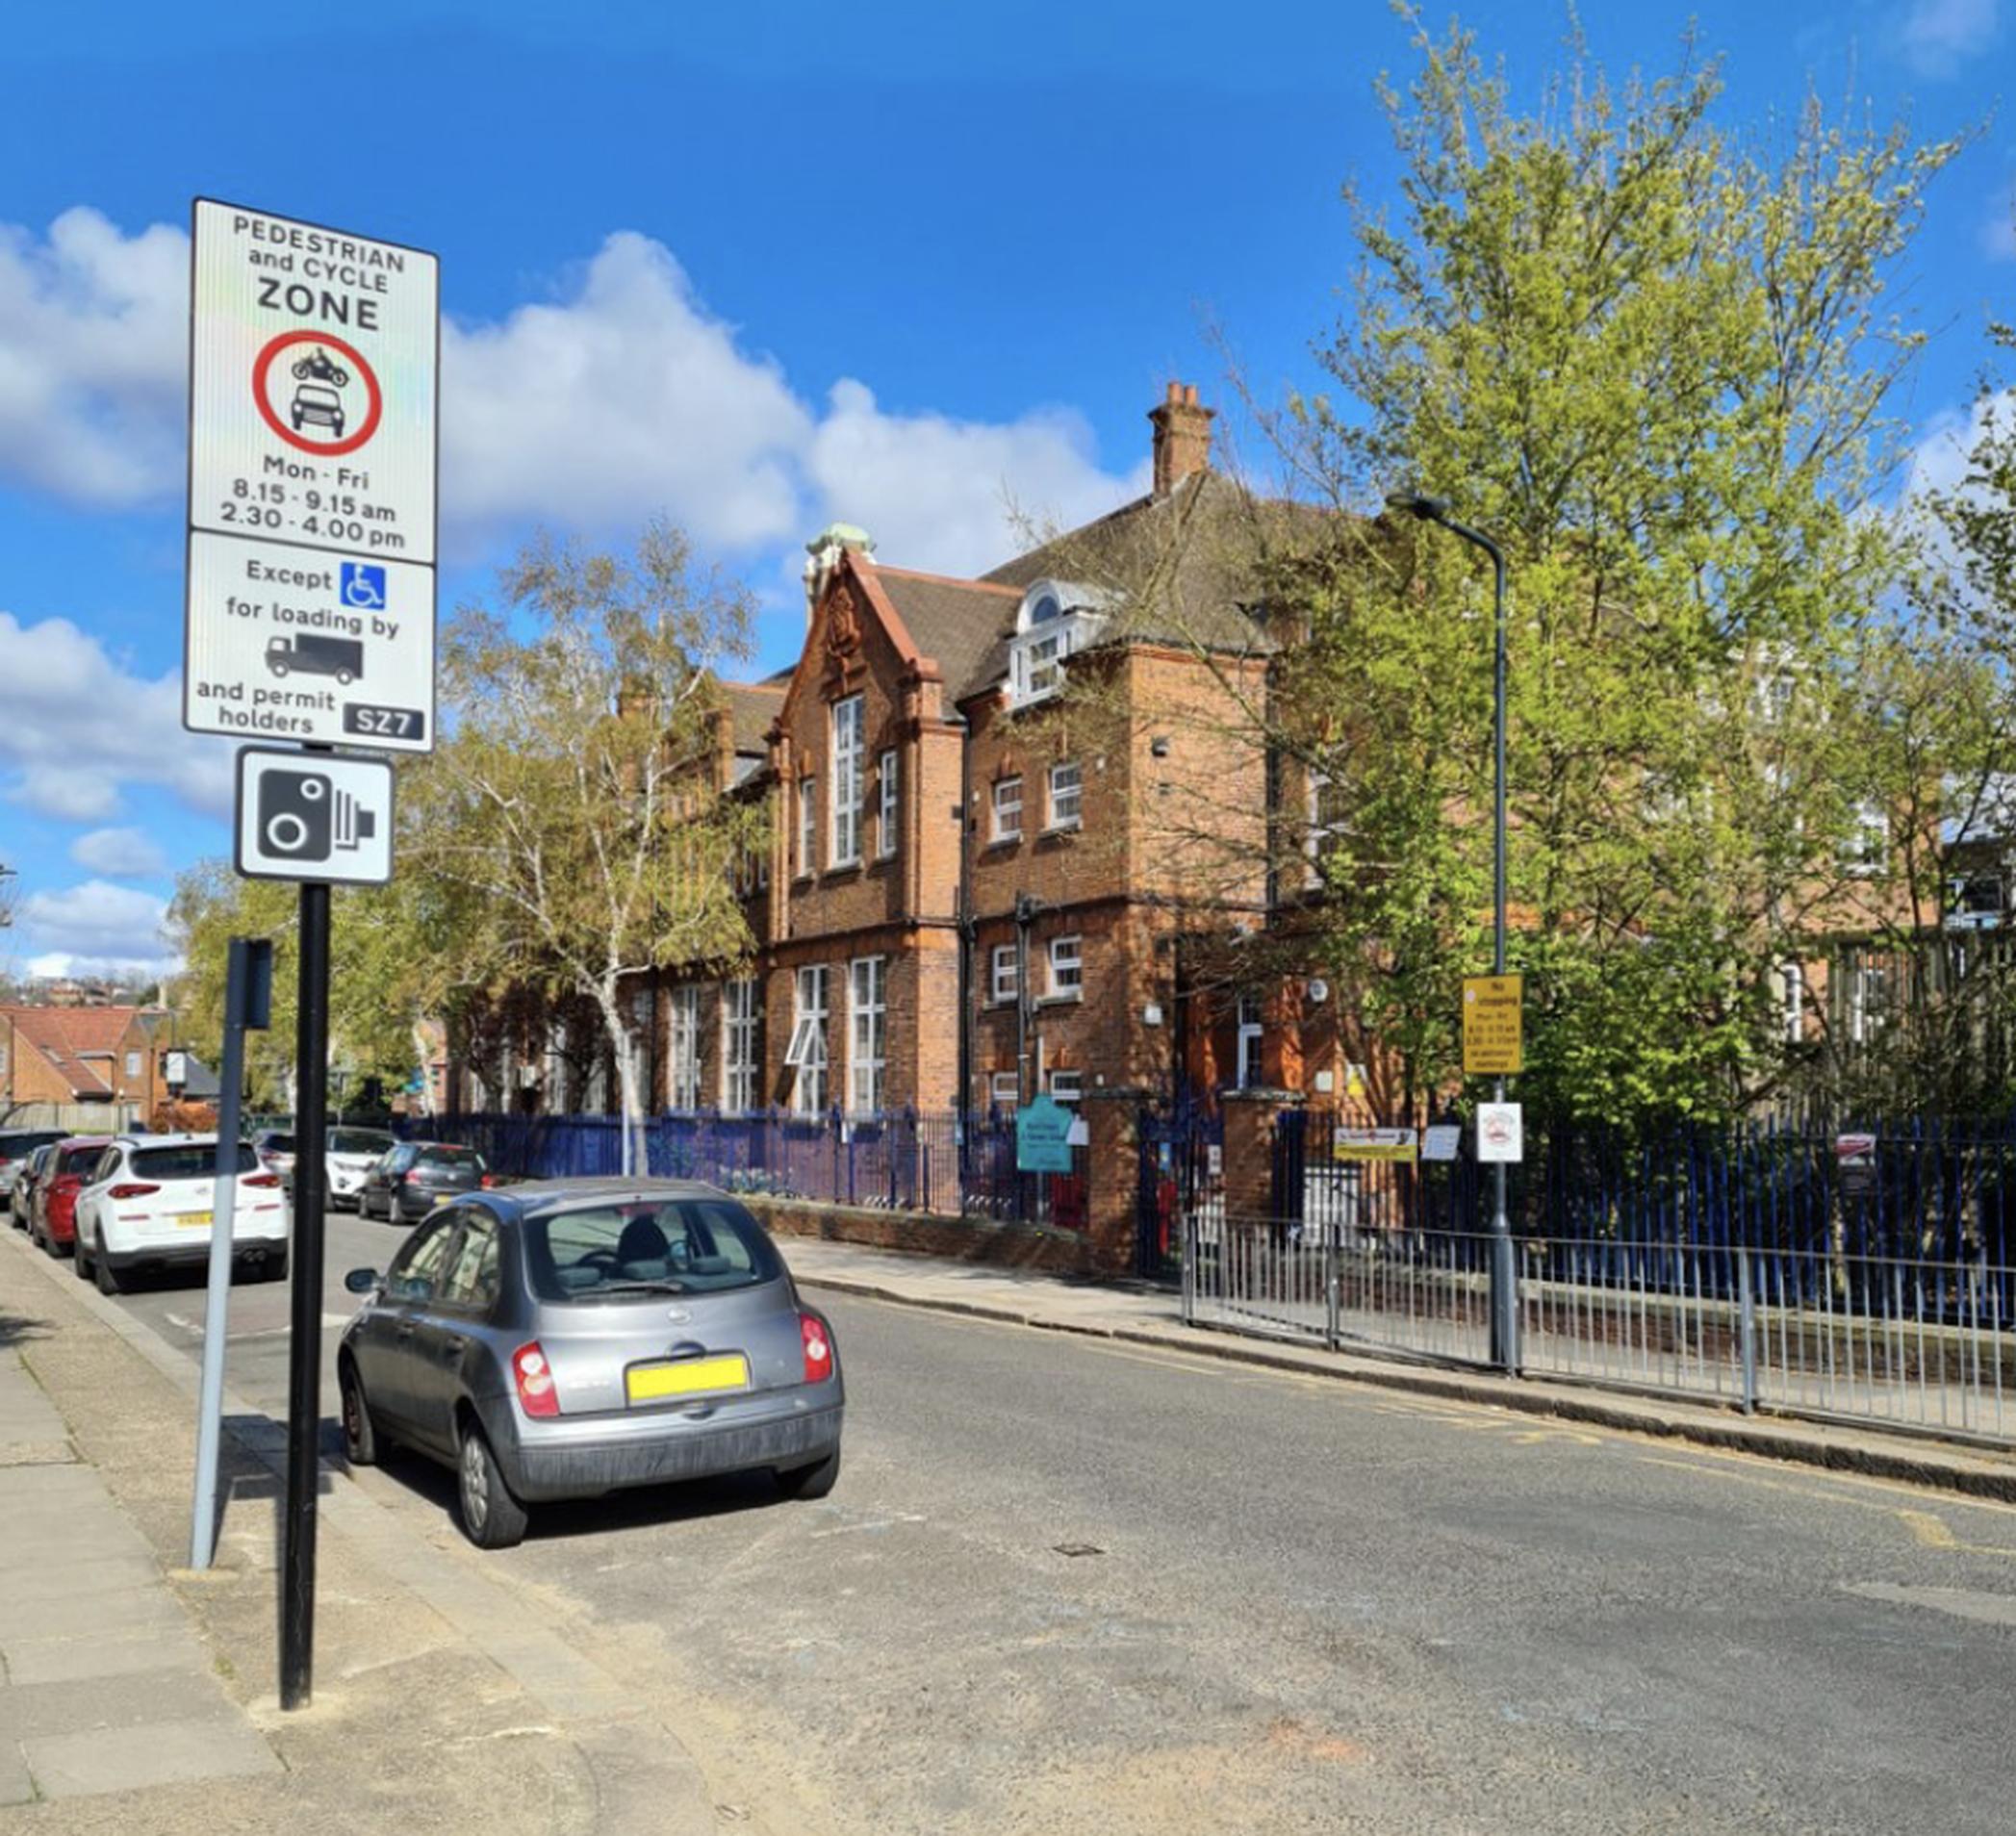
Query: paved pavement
pixel 1071 1581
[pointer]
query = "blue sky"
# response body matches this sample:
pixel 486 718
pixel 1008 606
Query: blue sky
pixel 756 267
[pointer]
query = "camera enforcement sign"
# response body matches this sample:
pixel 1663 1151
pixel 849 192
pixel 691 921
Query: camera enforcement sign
pixel 313 816
pixel 313 407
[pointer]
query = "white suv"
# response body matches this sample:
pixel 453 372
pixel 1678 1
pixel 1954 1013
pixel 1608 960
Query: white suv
pixel 149 1202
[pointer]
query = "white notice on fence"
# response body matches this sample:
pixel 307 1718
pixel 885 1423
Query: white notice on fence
pixel 1501 1132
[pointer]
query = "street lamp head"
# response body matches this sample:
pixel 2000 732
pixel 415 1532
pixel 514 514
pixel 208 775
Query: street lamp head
pixel 1417 504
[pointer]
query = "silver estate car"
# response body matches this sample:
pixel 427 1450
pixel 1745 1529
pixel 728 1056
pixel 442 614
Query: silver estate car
pixel 572 1337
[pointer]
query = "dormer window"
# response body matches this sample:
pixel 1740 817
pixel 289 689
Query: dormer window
pixel 1055 620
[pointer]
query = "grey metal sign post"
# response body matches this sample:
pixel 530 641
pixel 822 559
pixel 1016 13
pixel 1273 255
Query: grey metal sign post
pixel 248 991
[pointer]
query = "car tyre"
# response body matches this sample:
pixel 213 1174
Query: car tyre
pixel 269 1269
pixel 491 1518
pixel 80 1262
pixel 810 1482
pixel 360 1433
pixel 107 1277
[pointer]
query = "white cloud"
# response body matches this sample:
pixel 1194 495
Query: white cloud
pixel 95 927
pixel 121 853
pixel 79 726
pixel 957 496
pixel 1940 36
pixel 94 352
pixel 621 396
pixel 626 399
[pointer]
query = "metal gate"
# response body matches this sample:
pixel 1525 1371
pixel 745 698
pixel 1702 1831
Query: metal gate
pixel 1181 1191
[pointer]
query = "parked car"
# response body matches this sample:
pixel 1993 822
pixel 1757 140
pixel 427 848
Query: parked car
pixel 20 1202
pixel 276 1148
pixel 151 1202
pixel 416 1176
pixel 350 1155
pixel 569 1339
pixel 16 1146
pixel 72 1162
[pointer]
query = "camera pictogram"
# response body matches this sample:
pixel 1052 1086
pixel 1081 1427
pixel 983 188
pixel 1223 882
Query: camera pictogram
pixel 302 816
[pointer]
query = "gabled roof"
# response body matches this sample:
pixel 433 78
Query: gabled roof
pixel 76 1041
pixel 955 623
pixel 1185 568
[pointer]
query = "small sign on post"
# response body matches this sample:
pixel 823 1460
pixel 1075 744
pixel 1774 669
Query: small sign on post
pixel 1373 1144
pixel 1501 1134
pixel 1492 1040
pixel 1043 1136
pixel 313 816
pixel 1855 1160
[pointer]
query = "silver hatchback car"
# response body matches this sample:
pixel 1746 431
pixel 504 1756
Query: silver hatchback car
pixel 577 1337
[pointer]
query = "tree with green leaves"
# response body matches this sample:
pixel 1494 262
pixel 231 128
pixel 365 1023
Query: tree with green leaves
pixel 1657 361
pixel 570 830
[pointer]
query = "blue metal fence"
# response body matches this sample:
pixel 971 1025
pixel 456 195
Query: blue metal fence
pixel 906 1161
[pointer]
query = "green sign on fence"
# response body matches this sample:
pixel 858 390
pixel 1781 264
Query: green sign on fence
pixel 1043 1137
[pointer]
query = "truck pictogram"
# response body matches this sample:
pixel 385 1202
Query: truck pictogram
pixel 339 658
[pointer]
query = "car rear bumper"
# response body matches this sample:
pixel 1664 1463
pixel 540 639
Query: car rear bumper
pixel 587 1468
pixel 195 1254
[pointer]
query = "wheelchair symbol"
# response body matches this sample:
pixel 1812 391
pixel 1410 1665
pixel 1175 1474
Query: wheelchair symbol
pixel 362 586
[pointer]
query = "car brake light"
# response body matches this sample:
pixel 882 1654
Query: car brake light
pixel 261 1178
pixel 536 1394
pixel 410 1179
pixel 488 1181
pixel 819 1348
pixel 132 1192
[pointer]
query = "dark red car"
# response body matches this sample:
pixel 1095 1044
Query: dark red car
pixel 54 1223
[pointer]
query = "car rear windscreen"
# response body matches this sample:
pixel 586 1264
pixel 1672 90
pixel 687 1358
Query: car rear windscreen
pixel 198 1161
pixel 18 1147
pixel 647 1246
pixel 80 1159
pixel 357 1141
pixel 458 1160
pixel 279 1143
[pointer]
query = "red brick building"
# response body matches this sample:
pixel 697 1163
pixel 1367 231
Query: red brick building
pixel 978 885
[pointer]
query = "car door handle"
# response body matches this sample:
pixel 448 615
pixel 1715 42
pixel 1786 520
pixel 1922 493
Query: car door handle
pixel 453 1345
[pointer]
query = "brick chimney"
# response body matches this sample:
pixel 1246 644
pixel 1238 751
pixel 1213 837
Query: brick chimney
pixel 1182 437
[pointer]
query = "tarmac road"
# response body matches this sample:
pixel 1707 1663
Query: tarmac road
pixel 1067 1585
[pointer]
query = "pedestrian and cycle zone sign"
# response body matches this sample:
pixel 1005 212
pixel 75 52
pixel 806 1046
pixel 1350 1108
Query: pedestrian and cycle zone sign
pixel 312 511
pixel 1493 1037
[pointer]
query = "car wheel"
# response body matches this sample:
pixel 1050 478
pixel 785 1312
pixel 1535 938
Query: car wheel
pixel 80 1262
pixel 810 1482
pixel 107 1277
pixel 360 1436
pixel 491 1518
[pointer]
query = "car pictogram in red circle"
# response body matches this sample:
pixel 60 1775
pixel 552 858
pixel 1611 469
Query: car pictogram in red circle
pixel 374 410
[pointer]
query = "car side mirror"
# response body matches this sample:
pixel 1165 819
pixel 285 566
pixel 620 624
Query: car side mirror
pixel 361 1281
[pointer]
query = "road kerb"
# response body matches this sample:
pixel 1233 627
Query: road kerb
pixel 1935 1465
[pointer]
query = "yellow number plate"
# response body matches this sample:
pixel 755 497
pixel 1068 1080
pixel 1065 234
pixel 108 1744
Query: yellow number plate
pixel 192 1220
pixel 690 1377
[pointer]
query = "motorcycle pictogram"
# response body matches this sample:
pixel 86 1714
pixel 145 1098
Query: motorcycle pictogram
pixel 321 366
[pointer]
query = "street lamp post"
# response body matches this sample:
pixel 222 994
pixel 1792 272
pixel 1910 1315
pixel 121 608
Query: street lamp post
pixel 1504 1292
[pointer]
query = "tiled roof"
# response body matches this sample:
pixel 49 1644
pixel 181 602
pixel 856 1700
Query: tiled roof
pixel 1184 569
pixel 955 623
pixel 751 707
pixel 74 1040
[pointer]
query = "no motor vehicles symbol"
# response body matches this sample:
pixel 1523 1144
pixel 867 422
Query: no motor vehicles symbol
pixel 318 391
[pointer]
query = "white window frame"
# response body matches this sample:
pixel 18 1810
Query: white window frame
pixel 1868 991
pixel 1067 1086
pixel 1067 968
pixel 1868 847
pixel 1071 791
pixel 741 1045
pixel 808 825
pixel 682 1056
pixel 1004 1089
pixel 1252 1032
pixel 867 1034
pixel 806 1055
pixel 1792 985
pixel 849 751
pixel 889 791
pixel 133 1064
pixel 1005 807
pixel 1005 975
pixel 1319 831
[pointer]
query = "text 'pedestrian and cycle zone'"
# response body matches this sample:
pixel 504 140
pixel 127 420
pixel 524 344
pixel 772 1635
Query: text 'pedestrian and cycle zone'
pixel 312 485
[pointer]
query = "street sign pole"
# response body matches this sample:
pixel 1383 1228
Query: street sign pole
pixel 304 1363
pixel 247 987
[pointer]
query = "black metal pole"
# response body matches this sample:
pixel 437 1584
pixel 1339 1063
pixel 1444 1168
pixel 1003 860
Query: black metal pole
pixel 304 1348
